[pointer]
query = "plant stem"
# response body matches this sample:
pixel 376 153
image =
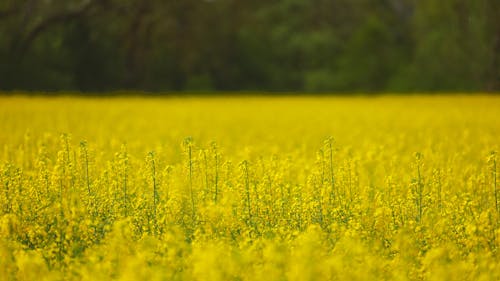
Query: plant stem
pixel 155 192
pixel 190 155
pixel 247 188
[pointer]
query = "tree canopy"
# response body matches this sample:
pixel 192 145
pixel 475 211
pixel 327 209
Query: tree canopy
pixel 250 45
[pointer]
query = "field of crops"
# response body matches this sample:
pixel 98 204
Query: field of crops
pixel 255 188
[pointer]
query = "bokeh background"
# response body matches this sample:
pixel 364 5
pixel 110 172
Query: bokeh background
pixel 342 46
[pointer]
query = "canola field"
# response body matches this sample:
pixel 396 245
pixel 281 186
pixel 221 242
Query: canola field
pixel 250 188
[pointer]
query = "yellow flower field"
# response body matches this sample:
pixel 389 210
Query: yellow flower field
pixel 250 188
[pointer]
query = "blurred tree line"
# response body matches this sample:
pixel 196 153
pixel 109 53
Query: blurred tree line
pixel 254 45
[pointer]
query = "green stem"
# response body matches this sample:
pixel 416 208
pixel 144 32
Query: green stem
pixel 247 187
pixel 191 180
pixel 155 191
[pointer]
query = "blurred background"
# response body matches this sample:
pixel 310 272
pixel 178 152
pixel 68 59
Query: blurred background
pixel 343 46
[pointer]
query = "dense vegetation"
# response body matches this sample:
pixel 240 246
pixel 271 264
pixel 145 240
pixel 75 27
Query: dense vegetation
pixel 317 45
pixel 115 189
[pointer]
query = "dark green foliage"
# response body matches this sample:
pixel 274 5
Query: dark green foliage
pixel 286 45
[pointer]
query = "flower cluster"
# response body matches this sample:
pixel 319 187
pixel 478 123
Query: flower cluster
pixel 126 205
